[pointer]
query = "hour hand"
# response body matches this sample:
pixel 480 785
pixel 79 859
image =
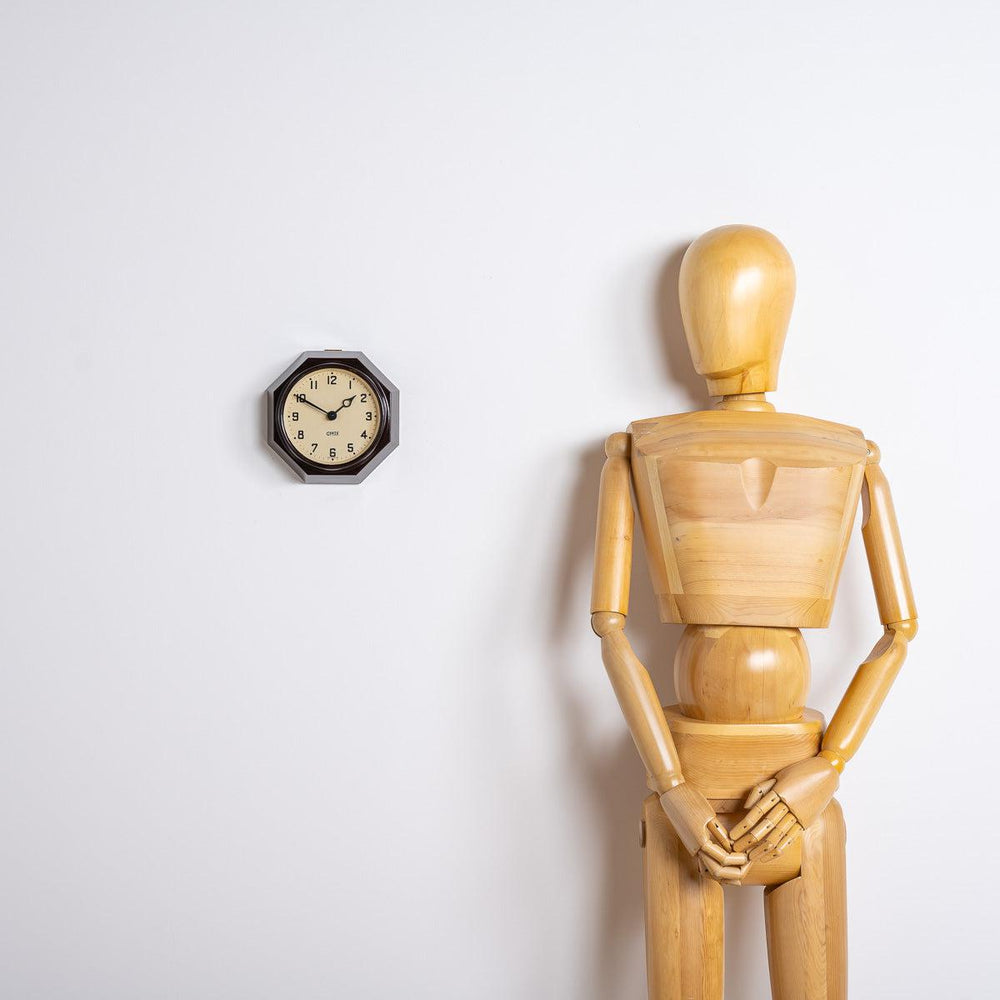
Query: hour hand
pixel 346 402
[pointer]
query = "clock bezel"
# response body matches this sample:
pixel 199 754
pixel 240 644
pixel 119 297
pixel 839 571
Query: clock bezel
pixel 349 472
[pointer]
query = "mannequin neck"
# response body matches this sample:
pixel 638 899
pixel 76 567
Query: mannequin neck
pixel 744 401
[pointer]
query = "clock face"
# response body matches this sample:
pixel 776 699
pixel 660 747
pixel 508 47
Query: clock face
pixel 331 416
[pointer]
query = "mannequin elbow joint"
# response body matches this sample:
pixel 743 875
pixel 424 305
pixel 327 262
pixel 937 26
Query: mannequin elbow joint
pixel 907 629
pixel 606 622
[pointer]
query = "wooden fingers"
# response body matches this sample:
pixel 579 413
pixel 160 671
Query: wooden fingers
pixel 776 849
pixel 789 838
pixel 719 832
pixel 763 828
pixel 727 874
pixel 766 847
pixel 726 858
pixel 756 814
pixel 758 792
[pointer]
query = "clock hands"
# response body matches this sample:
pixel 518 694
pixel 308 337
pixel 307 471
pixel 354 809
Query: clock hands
pixel 330 414
pixel 313 405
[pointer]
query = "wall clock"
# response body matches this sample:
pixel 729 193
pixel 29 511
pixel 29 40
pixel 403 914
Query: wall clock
pixel 332 416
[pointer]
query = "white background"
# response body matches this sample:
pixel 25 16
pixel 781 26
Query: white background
pixel 267 740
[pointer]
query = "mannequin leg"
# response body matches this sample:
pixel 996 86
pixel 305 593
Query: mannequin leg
pixel 684 917
pixel 807 918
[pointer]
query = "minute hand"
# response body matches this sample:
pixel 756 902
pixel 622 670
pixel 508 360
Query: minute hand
pixel 313 405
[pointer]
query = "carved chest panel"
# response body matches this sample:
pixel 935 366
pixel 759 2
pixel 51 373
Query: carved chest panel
pixel 746 515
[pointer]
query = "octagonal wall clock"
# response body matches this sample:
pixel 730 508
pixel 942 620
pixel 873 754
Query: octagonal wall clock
pixel 332 416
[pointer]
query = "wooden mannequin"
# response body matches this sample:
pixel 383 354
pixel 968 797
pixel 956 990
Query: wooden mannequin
pixel 746 515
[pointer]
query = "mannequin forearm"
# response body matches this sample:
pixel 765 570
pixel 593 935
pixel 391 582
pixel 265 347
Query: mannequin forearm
pixel 639 703
pixel 864 697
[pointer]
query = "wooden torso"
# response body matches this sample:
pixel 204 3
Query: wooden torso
pixel 746 515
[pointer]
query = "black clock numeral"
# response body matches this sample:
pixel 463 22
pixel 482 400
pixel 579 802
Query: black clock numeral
pixel 312 448
pixel 350 383
pixel 299 435
pixel 364 434
pixel 364 397
pixel 331 380
pixel 313 384
pixel 333 453
pixel 295 414
pixel 350 449
pixel 368 415
pixel 300 397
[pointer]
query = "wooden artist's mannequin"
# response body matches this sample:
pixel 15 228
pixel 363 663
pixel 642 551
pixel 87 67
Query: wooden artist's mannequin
pixel 746 515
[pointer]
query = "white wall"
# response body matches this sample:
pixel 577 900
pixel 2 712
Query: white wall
pixel 263 740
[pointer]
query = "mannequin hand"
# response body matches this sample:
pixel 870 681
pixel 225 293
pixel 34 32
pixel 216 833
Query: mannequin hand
pixel 698 829
pixel 724 866
pixel 780 809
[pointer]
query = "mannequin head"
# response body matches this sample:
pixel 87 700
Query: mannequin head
pixel 737 285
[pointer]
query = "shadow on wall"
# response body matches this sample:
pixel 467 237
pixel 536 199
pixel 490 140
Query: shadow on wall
pixel 673 341
pixel 612 780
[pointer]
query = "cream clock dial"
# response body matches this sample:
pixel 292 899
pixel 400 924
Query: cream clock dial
pixel 332 416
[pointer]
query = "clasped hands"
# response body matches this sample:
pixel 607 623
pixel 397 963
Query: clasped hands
pixel 779 809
